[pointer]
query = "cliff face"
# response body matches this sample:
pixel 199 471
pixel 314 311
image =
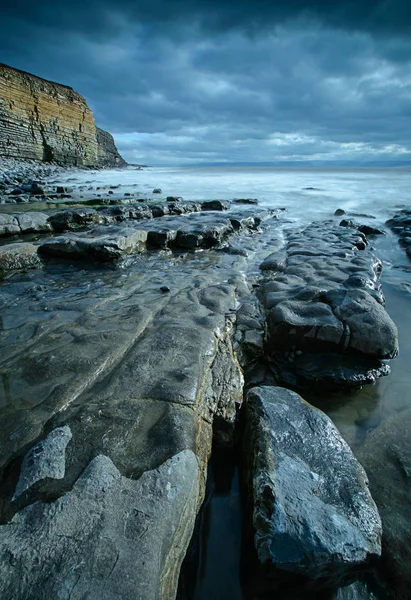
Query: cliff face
pixel 46 121
pixel 106 150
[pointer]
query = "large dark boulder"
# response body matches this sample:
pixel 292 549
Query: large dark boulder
pixel 312 510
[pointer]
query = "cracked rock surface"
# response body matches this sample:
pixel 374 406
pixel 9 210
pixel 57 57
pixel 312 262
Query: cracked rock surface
pixel 325 310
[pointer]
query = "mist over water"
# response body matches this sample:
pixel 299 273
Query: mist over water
pixel 376 192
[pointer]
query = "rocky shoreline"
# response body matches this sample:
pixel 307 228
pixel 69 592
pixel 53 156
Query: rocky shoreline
pixel 139 332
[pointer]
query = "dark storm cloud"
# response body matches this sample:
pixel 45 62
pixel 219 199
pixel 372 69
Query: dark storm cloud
pixel 390 16
pixel 210 81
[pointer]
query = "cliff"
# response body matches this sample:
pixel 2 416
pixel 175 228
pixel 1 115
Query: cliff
pixel 46 121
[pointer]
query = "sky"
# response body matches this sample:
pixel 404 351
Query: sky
pixel 228 81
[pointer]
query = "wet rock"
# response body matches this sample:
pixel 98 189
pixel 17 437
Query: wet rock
pixel 105 244
pixel 365 229
pixel 64 190
pixel 124 213
pixel 326 372
pixel 327 299
pixel 174 198
pixel 74 219
pixel 215 205
pixel 17 192
pixel 386 457
pixel 9 225
pixel 356 591
pixel 200 235
pixel 368 230
pixel 348 223
pixel 339 212
pixel 161 238
pixel 18 256
pixel 401 226
pixel 125 537
pixel 274 262
pixel 253 201
pixel 31 222
pixel 37 189
pixel 157 191
pixel 312 511
pixel 45 459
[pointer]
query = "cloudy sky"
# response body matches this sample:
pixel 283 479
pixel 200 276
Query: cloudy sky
pixel 204 81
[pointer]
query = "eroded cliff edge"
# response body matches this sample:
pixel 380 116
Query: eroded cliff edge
pixel 49 122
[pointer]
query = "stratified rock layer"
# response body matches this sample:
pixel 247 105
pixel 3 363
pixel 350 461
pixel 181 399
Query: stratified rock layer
pixel 46 121
pixel 312 510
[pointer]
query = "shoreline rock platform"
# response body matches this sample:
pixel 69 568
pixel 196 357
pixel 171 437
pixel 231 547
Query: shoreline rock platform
pixel 129 332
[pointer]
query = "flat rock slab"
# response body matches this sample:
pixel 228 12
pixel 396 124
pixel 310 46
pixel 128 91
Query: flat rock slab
pixel 110 242
pixel 313 513
pixel 102 244
pixel 109 537
pixel 386 456
pixel 19 223
pixel 322 296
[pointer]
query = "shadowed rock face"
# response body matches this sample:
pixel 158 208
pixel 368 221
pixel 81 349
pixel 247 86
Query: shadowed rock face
pixel 401 225
pixel 46 121
pixel 312 510
pixel 386 456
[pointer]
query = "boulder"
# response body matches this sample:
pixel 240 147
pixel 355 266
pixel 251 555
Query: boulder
pixel 105 245
pixel 9 225
pixel 253 201
pixel 276 261
pixel 74 219
pixel 18 256
pixel 313 513
pixel 215 205
pixel 32 222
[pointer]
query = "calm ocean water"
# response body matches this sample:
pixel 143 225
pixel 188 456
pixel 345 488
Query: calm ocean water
pixel 371 191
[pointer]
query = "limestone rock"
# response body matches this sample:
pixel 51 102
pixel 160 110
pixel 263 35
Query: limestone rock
pixel 110 536
pixel 313 513
pixel 9 225
pixel 32 222
pixel 74 219
pixel 45 459
pixel 215 205
pixel 104 245
pixel 18 256
pixel 46 121
pixel 323 296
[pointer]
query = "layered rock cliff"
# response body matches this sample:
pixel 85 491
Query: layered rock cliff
pixel 46 121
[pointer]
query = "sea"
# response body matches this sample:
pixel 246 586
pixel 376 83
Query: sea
pixel 308 193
